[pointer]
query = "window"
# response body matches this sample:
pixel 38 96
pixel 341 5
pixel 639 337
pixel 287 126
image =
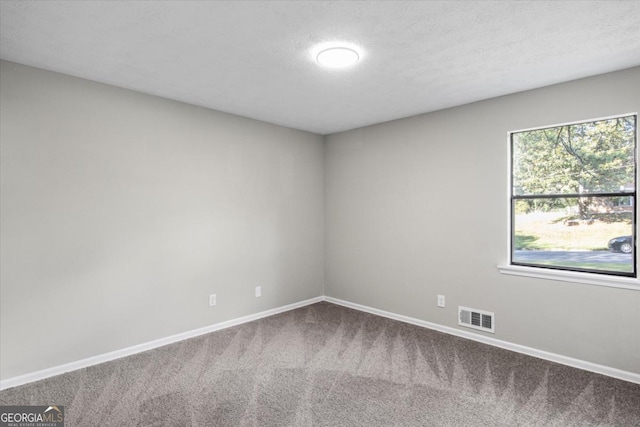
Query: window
pixel 573 197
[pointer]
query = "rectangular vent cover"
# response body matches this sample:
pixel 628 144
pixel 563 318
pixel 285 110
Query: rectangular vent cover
pixel 476 319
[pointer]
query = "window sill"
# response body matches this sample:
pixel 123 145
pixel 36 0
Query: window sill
pixel 571 276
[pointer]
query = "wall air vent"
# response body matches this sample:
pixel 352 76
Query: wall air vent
pixel 476 319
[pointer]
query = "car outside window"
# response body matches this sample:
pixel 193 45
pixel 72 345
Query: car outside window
pixel 573 196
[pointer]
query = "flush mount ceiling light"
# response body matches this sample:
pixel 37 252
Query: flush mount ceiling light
pixel 338 57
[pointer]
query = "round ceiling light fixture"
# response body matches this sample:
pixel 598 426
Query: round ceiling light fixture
pixel 338 57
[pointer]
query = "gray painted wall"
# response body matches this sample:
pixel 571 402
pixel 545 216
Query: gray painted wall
pixel 121 213
pixel 418 207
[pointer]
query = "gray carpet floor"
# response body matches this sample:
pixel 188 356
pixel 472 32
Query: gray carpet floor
pixel 326 365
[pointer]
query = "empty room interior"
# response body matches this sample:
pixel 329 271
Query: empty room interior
pixel 267 213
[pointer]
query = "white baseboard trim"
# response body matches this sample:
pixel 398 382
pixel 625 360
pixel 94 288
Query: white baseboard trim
pixel 106 357
pixel 541 354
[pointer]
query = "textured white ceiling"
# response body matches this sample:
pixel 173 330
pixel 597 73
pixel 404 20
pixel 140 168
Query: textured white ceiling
pixel 254 58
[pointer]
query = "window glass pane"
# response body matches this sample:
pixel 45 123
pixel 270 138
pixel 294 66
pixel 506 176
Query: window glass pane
pixel 590 157
pixel 589 233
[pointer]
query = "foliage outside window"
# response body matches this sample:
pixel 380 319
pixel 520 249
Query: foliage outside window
pixel 573 197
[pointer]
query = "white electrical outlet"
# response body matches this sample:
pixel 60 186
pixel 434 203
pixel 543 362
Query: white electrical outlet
pixel 440 300
pixel 258 291
pixel 212 300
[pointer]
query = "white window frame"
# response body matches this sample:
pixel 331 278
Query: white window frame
pixel 597 279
